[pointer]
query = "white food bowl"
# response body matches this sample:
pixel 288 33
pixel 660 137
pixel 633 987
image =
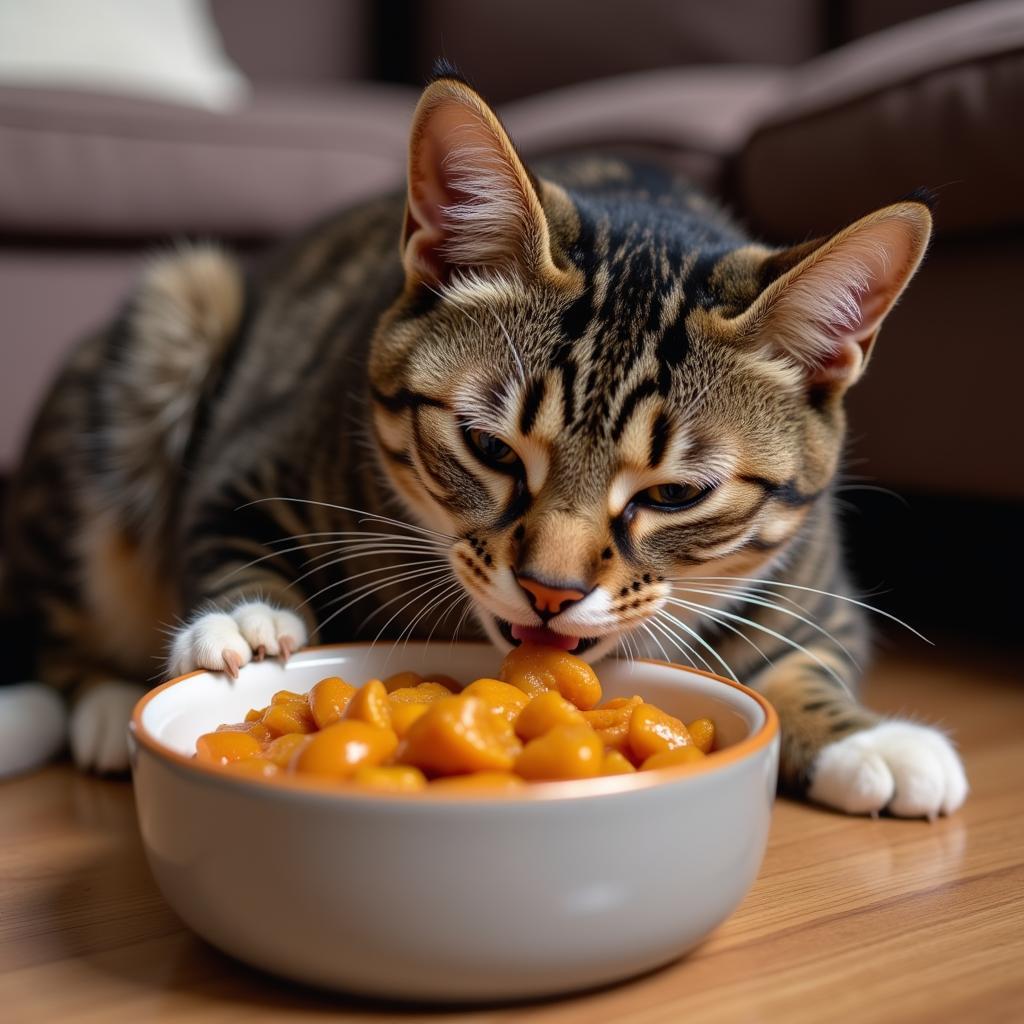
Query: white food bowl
pixel 452 896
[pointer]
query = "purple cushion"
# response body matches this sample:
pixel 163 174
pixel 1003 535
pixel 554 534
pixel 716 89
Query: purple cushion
pixel 695 117
pixel 78 164
pixel 935 102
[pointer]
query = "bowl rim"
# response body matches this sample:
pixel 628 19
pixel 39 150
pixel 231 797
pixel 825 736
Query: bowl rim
pixel 574 789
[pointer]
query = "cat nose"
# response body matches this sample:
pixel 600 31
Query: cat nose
pixel 548 600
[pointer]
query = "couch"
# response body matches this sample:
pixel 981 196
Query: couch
pixel 801 115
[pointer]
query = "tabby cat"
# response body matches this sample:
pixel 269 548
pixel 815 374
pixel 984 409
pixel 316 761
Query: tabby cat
pixel 580 407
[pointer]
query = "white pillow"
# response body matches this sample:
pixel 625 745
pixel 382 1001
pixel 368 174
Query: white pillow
pixel 160 49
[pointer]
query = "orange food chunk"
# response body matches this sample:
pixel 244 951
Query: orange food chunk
pixel 613 712
pixel 289 716
pixel 328 700
pixel 534 669
pixel 652 730
pixel 391 778
pixel 258 767
pixel 566 752
pixel 479 781
pixel 502 698
pixel 615 763
pixel 459 734
pixel 370 705
pixel 288 697
pixel 255 714
pixel 450 684
pixel 611 722
pixel 283 749
pixel 676 755
pixel 703 732
pixel 421 693
pixel 223 747
pixel 403 715
pixel 619 702
pixel 340 749
pixel 544 712
pixel 257 730
pixel 402 681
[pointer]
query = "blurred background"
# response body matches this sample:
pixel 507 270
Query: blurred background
pixel 125 126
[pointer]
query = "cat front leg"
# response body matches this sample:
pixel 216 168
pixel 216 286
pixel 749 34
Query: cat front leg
pixel 845 756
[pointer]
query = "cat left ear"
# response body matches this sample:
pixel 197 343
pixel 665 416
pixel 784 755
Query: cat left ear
pixel 826 310
pixel 471 205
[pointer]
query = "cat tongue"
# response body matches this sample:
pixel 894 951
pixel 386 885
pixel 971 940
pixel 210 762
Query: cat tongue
pixel 544 636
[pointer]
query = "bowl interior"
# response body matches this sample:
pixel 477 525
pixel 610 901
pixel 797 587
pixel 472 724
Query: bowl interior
pixel 183 710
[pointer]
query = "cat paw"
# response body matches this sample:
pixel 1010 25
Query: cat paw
pixel 33 727
pixel 99 727
pixel 912 771
pixel 224 642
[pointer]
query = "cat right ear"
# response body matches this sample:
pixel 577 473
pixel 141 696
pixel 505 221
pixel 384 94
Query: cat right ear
pixel 472 206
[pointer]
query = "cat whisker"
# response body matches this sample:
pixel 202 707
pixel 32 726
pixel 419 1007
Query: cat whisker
pixel 355 511
pixel 810 590
pixel 461 622
pixel 678 645
pixel 364 535
pixel 774 607
pixel 372 547
pixel 364 589
pixel 663 613
pixel 451 607
pixel 872 487
pixel 763 591
pixel 349 555
pixel 626 646
pixel 704 610
pixel 387 549
pixel 647 629
pixel 692 632
pixel 418 593
pixel 724 624
pixel 368 589
pixel 432 606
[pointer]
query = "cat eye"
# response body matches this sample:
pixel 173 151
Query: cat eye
pixel 672 497
pixel 491 449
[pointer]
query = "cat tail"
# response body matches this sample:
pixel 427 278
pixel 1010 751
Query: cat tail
pixel 33 716
pixel 174 333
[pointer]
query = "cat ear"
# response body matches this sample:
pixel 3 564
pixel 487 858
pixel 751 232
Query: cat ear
pixel 825 310
pixel 472 205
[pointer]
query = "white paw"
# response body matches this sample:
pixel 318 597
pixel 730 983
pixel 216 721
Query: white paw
pixel 99 726
pixel 911 770
pixel 33 726
pixel 224 642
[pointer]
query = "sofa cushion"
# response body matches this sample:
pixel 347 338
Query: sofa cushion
pixel 79 164
pixel 936 103
pixel 694 117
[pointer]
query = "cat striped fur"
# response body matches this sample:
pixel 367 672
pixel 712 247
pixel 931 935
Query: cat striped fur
pixel 581 380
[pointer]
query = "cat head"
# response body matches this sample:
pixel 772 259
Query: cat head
pixel 598 385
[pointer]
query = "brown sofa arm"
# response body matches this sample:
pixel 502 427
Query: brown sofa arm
pixel 938 102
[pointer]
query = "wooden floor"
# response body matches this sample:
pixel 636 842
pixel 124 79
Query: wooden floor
pixel 850 920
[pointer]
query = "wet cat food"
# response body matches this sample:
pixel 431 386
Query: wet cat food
pixel 541 721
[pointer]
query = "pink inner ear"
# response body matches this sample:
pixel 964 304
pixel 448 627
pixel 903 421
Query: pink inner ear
pixel 471 205
pixel 846 295
pixel 428 195
pixel 432 186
